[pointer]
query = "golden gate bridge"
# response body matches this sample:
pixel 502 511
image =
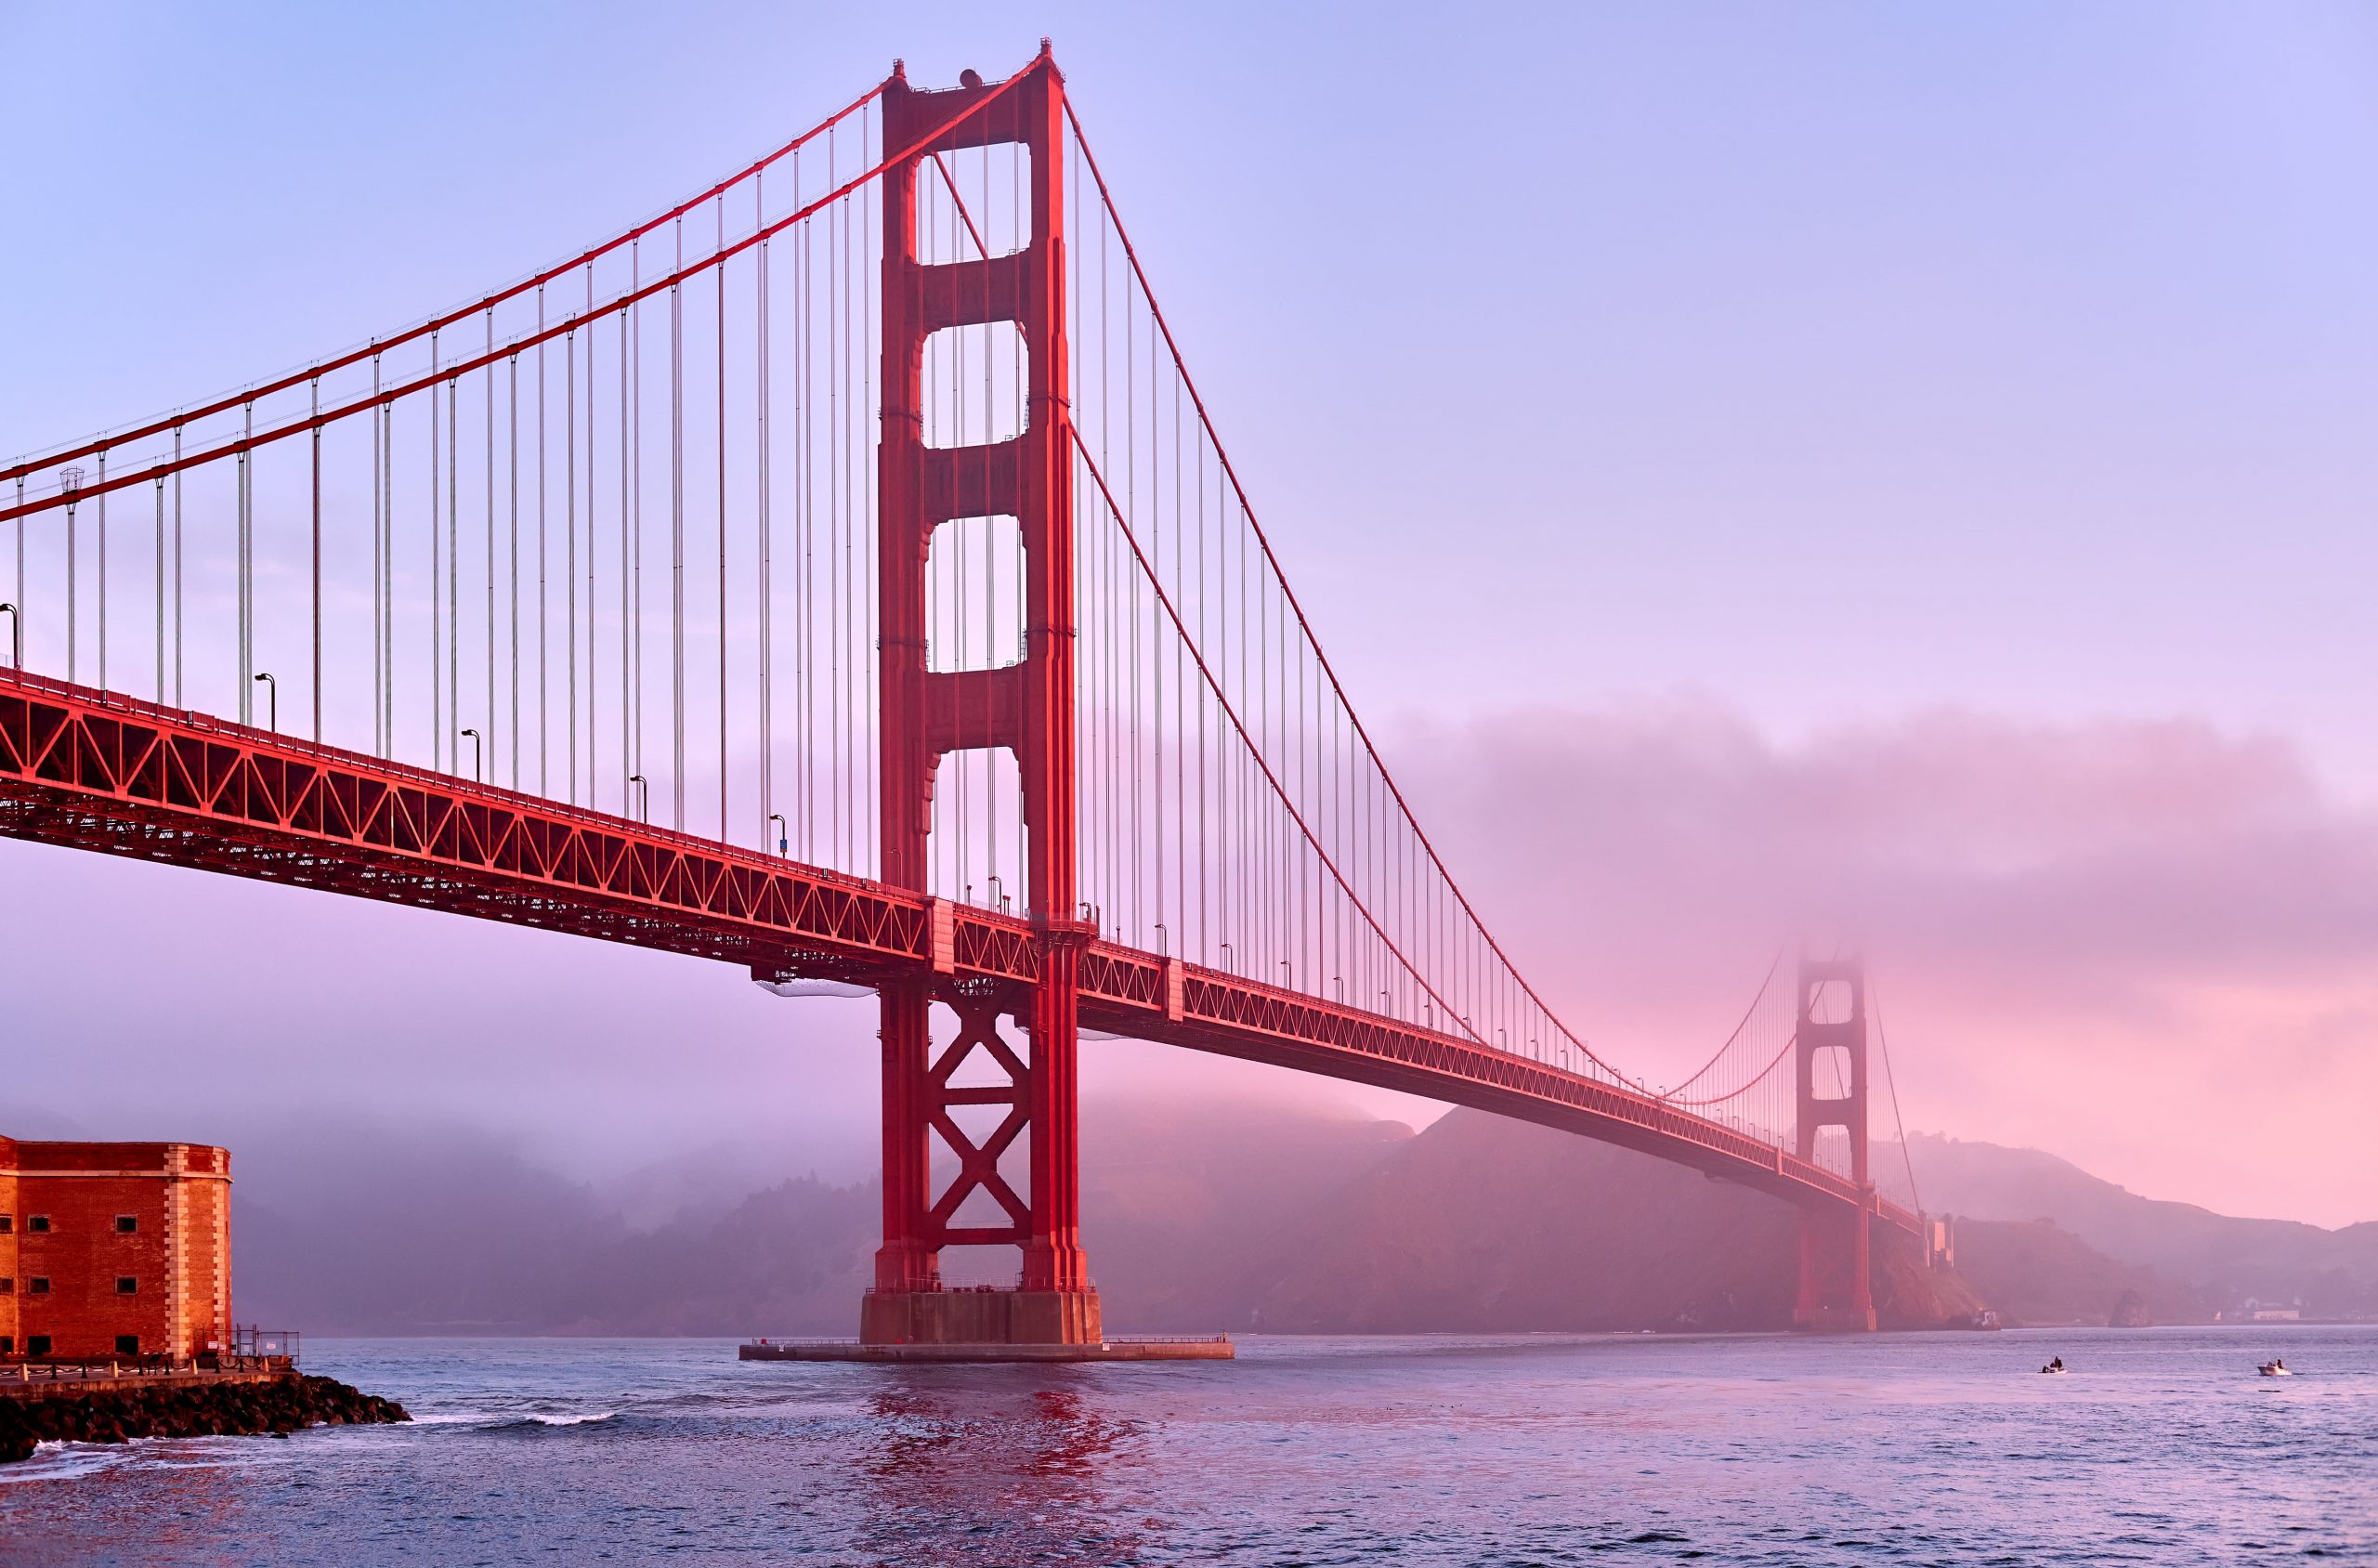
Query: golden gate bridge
pixel 840 574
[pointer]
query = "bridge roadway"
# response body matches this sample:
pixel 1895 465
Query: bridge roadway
pixel 101 771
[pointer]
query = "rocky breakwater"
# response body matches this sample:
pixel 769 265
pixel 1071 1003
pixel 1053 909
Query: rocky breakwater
pixel 248 1408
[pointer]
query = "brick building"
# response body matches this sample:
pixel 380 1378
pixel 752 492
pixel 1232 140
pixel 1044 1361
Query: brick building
pixel 114 1249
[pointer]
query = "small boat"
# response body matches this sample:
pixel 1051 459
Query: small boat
pixel 2054 1369
pixel 2274 1369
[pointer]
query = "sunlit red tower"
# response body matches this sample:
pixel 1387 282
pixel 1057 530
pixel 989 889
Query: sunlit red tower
pixel 1026 708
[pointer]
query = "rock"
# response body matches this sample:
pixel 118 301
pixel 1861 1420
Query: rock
pixel 2130 1312
pixel 279 1407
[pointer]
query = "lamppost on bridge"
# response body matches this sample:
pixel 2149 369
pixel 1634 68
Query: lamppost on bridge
pixel 272 700
pixel 784 834
pixel 643 797
pixel 478 755
pixel 16 637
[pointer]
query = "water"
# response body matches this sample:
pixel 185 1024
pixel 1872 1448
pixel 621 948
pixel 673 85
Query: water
pixel 2161 1446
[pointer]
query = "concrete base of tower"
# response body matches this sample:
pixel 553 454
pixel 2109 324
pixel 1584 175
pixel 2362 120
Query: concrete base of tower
pixel 984 1326
pixel 1834 1320
pixel 980 1317
pixel 1219 1347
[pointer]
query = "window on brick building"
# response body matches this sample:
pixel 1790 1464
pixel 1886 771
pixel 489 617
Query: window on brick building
pixel 7 1344
pixel 7 1224
pixel 127 1344
pixel 39 1224
pixel 126 1285
pixel 126 1223
pixel 7 1285
pixel 40 1286
pixel 37 1345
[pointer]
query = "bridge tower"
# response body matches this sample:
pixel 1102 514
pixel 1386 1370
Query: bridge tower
pixel 1026 708
pixel 1834 1293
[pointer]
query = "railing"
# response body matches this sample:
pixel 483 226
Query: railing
pixel 68 1369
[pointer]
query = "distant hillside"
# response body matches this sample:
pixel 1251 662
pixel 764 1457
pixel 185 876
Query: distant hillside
pixel 2215 1261
pixel 1485 1225
pixel 1225 1216
pixel 2036 1271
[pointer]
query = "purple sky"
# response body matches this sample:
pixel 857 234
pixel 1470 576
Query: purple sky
pixel 1907 469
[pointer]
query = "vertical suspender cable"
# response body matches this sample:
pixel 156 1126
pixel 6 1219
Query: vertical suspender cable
pixel 512 575
pixel 315 394
pixel 592 556
pixel 378 463
pixel 453 562
pixel 836 217
pixel 677 535
pixel 767 623
pixel 545 555
pixel 246 584
pixel 489 384
pixel 436 629
pixel 72 596
pixel 19 600
pixel 570 548
pixel 636 276
pixel 627 565
pixel 863 411
pixel 720 280
pixel 103 570
pixel 159 563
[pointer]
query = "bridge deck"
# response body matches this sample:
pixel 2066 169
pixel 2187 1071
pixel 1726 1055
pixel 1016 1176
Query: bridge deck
pixel 97 770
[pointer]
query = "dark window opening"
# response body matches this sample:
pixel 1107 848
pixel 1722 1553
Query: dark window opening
pixel 126 1223
pixel 127 1344
pixel 7 1344
pixel 37 1345
pixel 40 1224
pixel 7 1224
pixel 7 1285
pixel 126 1285
pixel 40 1285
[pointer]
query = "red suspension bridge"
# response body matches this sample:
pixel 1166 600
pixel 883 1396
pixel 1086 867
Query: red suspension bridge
pixel 837 574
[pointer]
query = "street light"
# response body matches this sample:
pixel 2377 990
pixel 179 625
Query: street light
pixel 784 834
pixel 272 695
pixel 643 797
pixel 477 755
pixel 16 637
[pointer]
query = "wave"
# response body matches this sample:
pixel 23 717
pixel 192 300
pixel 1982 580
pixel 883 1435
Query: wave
pixel 500 1420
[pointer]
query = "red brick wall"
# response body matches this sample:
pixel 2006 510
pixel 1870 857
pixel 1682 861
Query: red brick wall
pixel 8 1270
pixel 176 1254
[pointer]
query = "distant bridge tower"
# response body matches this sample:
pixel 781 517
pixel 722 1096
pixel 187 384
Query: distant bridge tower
pixel 1835 1286
pixel 1026 708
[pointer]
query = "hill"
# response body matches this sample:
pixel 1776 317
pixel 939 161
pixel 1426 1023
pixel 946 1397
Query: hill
pixel 1200 1217
pixel 2215 1262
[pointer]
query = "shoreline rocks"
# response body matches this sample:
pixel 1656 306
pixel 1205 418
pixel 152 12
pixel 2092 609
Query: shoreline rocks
pixel 242 1409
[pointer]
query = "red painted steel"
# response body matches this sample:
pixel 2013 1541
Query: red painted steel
pixel 1835 1289
pixel 1026 708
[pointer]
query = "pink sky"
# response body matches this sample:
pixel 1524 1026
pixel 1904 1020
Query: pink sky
pixel 2140 945
pixel 1906 473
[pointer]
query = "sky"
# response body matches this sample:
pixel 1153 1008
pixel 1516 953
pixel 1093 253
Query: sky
pixel 1908 470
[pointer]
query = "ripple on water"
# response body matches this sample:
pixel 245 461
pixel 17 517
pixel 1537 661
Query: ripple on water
pixel 1535 1450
